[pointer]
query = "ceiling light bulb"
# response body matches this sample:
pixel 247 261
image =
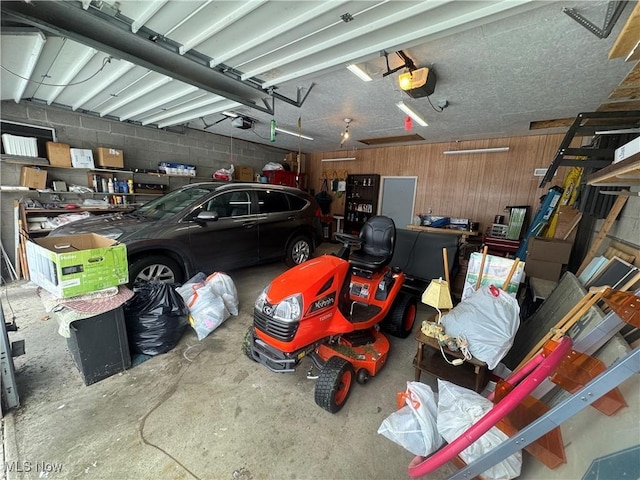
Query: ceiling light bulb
pixel 413 79
pixel 405 81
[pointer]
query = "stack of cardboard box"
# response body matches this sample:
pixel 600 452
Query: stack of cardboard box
pixel 547 258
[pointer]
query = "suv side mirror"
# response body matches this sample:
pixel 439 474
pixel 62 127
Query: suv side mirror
pixel 207 216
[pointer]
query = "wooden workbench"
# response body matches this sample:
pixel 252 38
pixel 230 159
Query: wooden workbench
pixel 463 234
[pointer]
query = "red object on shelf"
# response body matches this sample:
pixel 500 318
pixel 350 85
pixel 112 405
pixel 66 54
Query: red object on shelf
pixel 501 246
pixel 284 177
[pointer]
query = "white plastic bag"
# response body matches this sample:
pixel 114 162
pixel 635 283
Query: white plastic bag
pixel 224 173
pixel 414 425
pixel 206 311
pixel 489 320
pixel 187 289
pixel 458 409
pixel 222 285
pixel 272 166
pixel 210 300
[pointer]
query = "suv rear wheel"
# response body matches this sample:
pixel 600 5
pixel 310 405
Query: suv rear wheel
pixel 154 268
pixel 298 251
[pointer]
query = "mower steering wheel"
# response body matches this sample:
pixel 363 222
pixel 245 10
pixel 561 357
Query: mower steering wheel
pixel 348 240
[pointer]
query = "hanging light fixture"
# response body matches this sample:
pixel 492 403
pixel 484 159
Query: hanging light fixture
pixel 345 133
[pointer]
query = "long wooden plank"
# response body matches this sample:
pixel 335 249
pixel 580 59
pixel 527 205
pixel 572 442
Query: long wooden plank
pixel 608 223
pixel 628 36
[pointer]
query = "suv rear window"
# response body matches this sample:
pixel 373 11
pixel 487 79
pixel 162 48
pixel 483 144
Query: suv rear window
pixel 297 203
pixel 272 202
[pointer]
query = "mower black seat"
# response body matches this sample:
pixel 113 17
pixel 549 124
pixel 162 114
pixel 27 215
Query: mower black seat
pixel 378 237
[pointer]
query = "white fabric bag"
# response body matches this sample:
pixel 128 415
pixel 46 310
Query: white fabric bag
pixel 489 320
pixel 458 409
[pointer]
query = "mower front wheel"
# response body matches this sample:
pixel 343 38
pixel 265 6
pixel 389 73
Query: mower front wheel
pixel 246 343
pixel 400 319
pixel 334 384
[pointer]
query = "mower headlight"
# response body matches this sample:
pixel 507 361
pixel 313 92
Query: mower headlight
pixel 260 301
pixel 289 309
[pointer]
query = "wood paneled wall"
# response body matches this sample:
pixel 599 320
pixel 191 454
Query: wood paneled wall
pixel 474 186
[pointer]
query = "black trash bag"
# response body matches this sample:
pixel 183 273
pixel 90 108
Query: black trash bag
pixel 324 198
pixel 156 318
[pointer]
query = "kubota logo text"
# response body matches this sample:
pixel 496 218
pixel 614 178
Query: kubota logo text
pixel 324 302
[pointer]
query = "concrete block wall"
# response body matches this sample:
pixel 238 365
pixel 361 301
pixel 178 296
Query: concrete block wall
pixel 143 148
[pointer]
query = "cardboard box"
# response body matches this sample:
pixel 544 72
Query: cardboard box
pixel 109 157
pixel 549 249
pixel 244 174
pixel 82 158
pixel 567 226
pixel 545 270
pixel 627 150
pixel 73 265
pixel 59 154
pixel 33 178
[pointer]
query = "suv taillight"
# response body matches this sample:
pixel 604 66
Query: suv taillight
pixel 318 212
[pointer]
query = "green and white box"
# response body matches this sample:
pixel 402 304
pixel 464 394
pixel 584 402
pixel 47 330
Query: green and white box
pixel 73 265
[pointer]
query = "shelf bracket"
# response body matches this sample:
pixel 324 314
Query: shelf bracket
pixel 614 10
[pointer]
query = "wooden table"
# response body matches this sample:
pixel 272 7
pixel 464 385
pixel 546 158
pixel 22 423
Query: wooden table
pixel 463 234
pixel 472 374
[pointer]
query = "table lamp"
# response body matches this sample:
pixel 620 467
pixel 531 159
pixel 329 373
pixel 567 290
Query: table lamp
pixel 437 295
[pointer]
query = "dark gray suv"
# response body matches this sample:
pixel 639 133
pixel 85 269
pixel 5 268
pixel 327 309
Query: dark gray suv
pixel 213 226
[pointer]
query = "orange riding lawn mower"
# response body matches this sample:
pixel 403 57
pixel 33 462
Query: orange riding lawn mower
pixel 331 309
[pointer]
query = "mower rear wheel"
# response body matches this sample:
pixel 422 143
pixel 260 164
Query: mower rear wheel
pixel 246 344
pixel 334 384
pixel 400 319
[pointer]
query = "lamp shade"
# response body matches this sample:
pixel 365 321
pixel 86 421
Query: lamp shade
pixel 437 295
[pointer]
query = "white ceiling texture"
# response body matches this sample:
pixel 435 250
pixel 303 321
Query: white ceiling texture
pixel 499 65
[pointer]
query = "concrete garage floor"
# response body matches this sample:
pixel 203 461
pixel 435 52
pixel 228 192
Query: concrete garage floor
pixel 202 410
pixel 205 411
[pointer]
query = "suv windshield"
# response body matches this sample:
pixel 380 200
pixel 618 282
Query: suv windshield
pixel 172 203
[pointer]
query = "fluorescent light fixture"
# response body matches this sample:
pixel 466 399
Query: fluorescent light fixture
pixel 342 159
pixel 476 150
pixel 230 114
pixel 418 119
pixel 295 134
pixel 358 72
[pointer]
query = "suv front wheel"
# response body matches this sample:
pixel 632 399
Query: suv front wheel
pixel 298 251
pixel 154 268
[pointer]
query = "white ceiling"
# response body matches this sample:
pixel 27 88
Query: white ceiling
pixel 499 64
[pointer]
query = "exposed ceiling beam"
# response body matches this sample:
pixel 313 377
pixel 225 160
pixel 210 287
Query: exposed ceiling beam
pixel 212 28
pixel 69 20
pixel 247 44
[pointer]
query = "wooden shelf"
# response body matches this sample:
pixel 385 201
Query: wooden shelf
pixel 621 174
pixel 20 160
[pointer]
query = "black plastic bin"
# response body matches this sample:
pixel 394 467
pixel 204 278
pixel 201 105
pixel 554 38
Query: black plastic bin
pixel 99 345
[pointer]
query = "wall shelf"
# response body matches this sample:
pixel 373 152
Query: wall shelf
pixel 621 174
